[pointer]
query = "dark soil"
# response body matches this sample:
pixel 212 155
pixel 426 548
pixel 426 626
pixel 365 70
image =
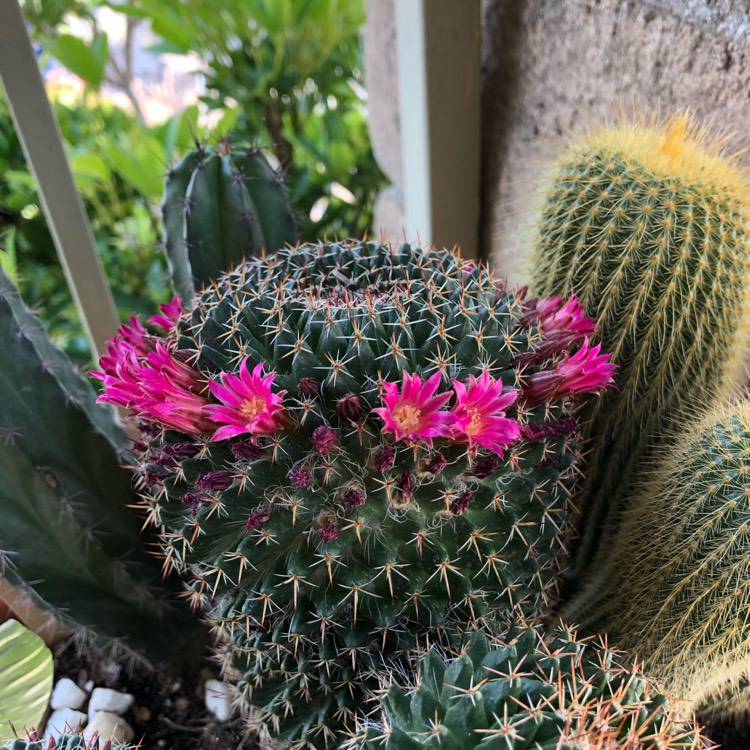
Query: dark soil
pixel 169 713
pixel 730 735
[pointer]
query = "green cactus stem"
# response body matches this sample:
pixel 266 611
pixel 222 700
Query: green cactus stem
pixel 648 225
pixel 521 691
pixel 676 592
pixel 69 536
pixel 221 205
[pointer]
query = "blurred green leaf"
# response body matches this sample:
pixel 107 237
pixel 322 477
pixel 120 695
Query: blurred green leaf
pixel 26 672
pixel 88 61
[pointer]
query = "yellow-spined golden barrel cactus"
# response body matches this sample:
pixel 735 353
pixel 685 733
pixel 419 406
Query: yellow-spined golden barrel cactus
pixel 648 225
pixel 677 590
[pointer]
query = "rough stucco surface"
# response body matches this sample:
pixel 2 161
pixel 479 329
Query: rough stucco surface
pixel 384 121
pixel 550 64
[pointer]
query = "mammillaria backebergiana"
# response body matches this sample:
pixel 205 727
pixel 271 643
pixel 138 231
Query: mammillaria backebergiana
pixel 354 449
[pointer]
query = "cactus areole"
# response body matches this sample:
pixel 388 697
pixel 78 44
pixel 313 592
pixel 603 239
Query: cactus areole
pixel 354 449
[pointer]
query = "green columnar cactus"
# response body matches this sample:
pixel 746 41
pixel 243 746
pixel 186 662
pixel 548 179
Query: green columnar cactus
pixel 67 536
pixel 518 692
pixel 329 522
pixel 221 205
pixel 648 225
pixel 677 591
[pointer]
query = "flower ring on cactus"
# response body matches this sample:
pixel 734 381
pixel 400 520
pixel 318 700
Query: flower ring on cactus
pixel 249 404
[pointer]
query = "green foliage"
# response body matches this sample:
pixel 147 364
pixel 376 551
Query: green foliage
pixel 25 678
pixel 358 550
pixel 294 69
pixel 69 537
pixel 676 591
pixel 648 225
pixel 124 220
pixel 522 691
pixel 222 205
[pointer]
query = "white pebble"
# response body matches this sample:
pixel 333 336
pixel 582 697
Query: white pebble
pixel 105 699
pixel 108 726
pixel 66 695
pixel 65 721
pixel 218 699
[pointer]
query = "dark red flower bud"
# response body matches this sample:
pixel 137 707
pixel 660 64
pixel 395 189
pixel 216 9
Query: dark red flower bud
pixel 436 464
pixel 485 467
pixel 216 481
pixel 309 388
pixel 328 533
pixel 353 498
pixel 349 408
pixel 461 503
pixel 324 439
pixel 245 450
pixel 405 485
pixel 300 477
pixel 257 518
pixel 544 430
pixel 384 458
pixel 194 500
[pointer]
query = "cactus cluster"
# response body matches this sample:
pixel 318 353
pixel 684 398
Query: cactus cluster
pixel 522 692
pixel 650 228
pixel 355 450
pixel 65 498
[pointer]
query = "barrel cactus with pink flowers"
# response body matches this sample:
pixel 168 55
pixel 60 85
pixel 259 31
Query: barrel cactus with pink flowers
pixel 354 450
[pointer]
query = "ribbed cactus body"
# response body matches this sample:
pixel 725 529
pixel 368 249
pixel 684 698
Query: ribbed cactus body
pixel 328 549
pixel 677 590
pixel 68 536
pixel 221 205
pixel 518 692
pixel 649 227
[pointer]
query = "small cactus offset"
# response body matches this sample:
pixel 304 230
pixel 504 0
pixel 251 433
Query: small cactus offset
pixel 520 692
pixel 68 537
pixel 677 591
pixel 357 449
pixel 649 226
pixel 222 204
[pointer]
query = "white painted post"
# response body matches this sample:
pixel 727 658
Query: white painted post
pixel 439 78
pixel 42 144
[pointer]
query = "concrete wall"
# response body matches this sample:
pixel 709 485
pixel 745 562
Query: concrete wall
pixel 550 64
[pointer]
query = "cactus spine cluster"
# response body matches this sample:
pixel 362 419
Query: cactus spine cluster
pixel 648 225
pixel 520 692
pixel 338 514
pixel 677 589
pixel 66 742
pixel 221 205
pixel 68 536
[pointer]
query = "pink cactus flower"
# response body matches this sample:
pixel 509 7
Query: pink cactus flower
pixel 561 324
pixel 171 312
pixel 479 414
pixel 249 404
pixel 173 393
pixel 586 371
pixel 415 414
